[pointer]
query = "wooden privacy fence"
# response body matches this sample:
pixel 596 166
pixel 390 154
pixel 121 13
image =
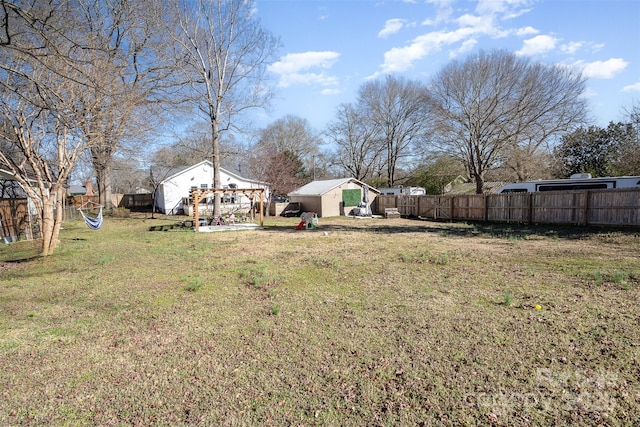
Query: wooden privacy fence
pixel 14 218
pixel 136 202
pixel 587 207
pixel 77 201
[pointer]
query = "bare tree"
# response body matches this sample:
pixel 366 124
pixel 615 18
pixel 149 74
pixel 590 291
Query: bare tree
pixel 492 104
pixel 40 79
pixel 194 145
pixel 632 114
pixel 291 134
pixel 283 170
pixel 396 109
pixel 224 53
pixel 127 74
pixel 629 160
pixel 522 165
pixel 285 154
pixel 359 148
pixel 437 173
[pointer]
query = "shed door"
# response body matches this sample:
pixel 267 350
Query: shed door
pixel 351 197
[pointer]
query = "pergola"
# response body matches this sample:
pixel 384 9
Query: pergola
pixel 200 193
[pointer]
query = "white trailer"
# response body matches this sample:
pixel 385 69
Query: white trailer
pixel 576 182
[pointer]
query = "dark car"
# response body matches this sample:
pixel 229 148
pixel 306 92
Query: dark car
pixel 280 199
pixel 292 209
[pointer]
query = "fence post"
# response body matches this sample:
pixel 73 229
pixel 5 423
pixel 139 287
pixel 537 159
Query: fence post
pixel 585 222
pixel 451 209
pixel 486 207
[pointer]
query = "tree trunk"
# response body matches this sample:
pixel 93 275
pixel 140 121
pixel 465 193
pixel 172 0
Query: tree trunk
pixel 51 221
pixel 103 177
pixel 217 210
pixel 479 184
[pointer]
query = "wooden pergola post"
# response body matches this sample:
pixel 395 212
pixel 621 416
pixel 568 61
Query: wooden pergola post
pixel 196 202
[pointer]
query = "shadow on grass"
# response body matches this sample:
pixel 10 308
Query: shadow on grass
pixel 21 260
pixel 19 252
pixel 467 229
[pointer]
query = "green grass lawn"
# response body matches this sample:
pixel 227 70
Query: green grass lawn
pixel 359 323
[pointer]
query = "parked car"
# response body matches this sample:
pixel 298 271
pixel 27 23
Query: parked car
pixel 280 199
pixel 292 209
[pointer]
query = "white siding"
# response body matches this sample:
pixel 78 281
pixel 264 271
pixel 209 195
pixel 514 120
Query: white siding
pixel 172 191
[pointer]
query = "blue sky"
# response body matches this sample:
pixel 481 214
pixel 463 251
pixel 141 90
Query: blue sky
pixel 330 48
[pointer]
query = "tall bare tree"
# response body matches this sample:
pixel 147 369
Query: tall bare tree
pixel 224 52
pixel 127 75
pixel 285 154
pixel 437 173
pixel 283 170
pixel 40 80
pixel 194 144
pixel 359 149
pixel 629 160
pixel 490 105
pixel 396 109
pixel 291 134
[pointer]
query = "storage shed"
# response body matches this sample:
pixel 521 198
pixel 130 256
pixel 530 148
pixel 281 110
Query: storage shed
pixel 333 197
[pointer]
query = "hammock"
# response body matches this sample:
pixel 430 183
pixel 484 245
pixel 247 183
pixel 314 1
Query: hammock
pixel 92 223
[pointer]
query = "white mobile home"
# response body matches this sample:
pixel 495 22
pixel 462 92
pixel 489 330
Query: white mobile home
pixel 403 191
pixel 172 193
pixel 576 182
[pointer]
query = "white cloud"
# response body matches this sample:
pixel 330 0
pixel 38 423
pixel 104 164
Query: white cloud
pixel 294 62
pixel 466 46
pixel 505 9
pixel 537 45
pixel 295 68
pixel 324 15
pixel 471 26
pixel 526 31
pixel 603 69
pixel 330 91
pixel 571 47
pixel 589 93
pixel 402 58
pixel 632 88
pixel 443 12
pixel 392 26
pixel 308 78
pixel 468 20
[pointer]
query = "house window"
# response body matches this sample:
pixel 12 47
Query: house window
pixel 204 185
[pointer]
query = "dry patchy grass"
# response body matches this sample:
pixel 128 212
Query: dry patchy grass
pixel 379 322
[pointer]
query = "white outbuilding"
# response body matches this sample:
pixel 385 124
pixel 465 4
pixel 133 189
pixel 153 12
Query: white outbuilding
pixel 335 197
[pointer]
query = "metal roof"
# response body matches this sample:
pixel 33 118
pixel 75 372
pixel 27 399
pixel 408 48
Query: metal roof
pixel 320 187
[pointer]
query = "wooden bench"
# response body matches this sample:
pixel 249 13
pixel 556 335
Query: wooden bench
pixel 391 213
